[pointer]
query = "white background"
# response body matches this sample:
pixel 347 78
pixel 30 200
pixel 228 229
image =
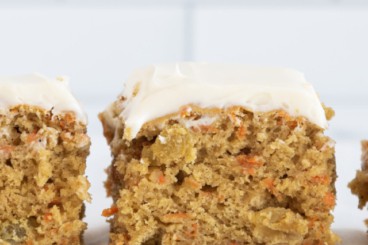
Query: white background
pixel 98 43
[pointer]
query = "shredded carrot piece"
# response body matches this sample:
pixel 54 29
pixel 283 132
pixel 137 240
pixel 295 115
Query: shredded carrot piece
pixel 249 163
pixel 7 148
pixel 29 242
pixel 192 232
pixel 68 119
pixel 221 198
pixel 233 118
pixel 192 183
pixel 47 217
pixel 161 179
pixel 269 183
pixel 157 176
pixel 110 211
pixel 282 116
pixel 185 111
pixel 250 171
pixel 175 218
pixel 321 179
pixel 241 132
pixel 329 199
pixel 312 221
pixel 32 137
pixel 292 124
pixel 179 215
pixel 195 226
pixel 207 128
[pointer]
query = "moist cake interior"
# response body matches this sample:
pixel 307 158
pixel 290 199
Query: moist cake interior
pixel 42 182
pixel 220 176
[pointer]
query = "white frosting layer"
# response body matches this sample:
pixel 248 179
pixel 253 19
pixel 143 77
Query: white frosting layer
pixel 158 90
pixel 39 91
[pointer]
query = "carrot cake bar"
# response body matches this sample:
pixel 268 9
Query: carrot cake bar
pixel 359 185
pixel 43 150
pixel 219 154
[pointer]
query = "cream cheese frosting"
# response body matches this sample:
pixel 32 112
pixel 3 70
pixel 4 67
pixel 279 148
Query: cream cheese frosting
pixel 40 91
pixel 158 90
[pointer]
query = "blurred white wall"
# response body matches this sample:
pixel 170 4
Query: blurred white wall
pixel 96 47
pixel 330 45
pixel 98 43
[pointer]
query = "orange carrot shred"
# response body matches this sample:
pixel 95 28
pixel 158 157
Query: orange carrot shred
pixel 249 163
pixel 233 117
pixel 282 117
pixel 321 179
pixel 241 132
pixel 292 124
pixel 47 217
pixel 110 211
pixel 208 128
pixel 7 148
pixel 175 217
pixel 161 179
pixel 269 183
pixel 311 221
pixel 192 232
pixel 185 111
pixel 329 200
pixel 250 171
pixel 32 137
pixel 192 183
pixel 221 198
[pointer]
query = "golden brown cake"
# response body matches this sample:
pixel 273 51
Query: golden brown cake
pixel 250 171
pixel 43 150
pixel 359 185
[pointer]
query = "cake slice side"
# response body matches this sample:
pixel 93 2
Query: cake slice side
pixel 43 151
pixel 359 184
pixel 221 176
pixel 42 177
